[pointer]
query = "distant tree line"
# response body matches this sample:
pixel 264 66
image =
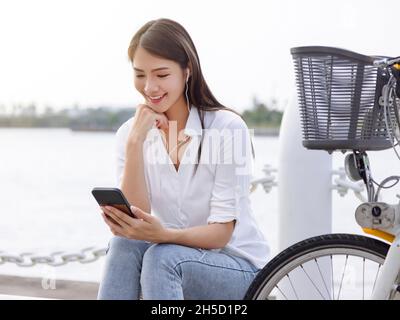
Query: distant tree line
pixel 93 119
pixel 262 116
pixel 110 119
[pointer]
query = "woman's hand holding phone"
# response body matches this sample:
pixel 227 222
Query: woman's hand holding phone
pixel 144 119
pixel 144 227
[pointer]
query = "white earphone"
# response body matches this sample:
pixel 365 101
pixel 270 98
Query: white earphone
pixel 187 77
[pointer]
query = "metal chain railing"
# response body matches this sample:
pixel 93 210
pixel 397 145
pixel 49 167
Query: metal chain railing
pixel 55 259
pixel 342 184
pixel 267 182
pixel 91 254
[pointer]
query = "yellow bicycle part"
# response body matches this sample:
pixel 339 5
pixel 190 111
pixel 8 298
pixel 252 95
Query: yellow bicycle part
pixel 380 234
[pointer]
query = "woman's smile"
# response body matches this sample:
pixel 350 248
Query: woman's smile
pixel 156 99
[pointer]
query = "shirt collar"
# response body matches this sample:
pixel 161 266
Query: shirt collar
pixel 193 123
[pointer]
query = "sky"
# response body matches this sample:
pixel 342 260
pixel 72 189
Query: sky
pixel 74 52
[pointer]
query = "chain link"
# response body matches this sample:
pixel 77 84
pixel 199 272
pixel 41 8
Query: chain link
pixel 55 259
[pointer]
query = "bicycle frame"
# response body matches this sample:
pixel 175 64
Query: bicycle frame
pixel 386 284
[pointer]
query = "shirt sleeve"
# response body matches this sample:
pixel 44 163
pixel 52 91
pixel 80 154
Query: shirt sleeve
pixel 233 173
pixel 120 143
pixel 121 138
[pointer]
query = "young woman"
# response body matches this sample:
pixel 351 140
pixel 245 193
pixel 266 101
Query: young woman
pixel 184 162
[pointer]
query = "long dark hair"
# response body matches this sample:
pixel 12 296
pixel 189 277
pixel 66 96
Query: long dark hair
pixel 168 39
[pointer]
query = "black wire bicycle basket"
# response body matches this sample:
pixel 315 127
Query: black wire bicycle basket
pixel 339 95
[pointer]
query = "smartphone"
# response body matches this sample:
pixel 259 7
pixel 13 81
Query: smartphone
pixel 112 197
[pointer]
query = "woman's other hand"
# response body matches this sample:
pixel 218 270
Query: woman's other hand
pixel 144 120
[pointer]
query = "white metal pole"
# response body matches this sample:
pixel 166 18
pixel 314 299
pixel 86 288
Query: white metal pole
pixel 305 196
pixel 304 184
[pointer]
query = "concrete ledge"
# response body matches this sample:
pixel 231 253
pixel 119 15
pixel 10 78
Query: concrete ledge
pixel 10 297
pixel 31 288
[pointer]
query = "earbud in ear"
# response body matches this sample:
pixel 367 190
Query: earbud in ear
pixel 187 74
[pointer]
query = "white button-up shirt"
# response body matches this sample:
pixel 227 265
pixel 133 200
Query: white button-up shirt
pixel 215 190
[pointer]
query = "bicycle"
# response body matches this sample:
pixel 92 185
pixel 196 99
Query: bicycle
pixel 348 102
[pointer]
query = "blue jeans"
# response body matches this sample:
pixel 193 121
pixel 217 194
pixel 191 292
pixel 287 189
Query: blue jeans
pixel 172 272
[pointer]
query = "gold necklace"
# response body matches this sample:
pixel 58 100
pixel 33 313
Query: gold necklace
pixel 178 145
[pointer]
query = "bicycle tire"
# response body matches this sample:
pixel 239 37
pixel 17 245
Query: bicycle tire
pixel 307 248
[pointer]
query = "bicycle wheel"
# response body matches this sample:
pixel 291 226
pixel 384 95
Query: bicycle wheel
pixel 329 267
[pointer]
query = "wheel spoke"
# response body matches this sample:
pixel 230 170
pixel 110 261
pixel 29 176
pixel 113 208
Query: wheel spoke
pixel 281 292
pixel 322 277
pixel 320 293
pixel 363 279
pixel 333 285
pixel 291 284
pixel 344 270
pixel 376 277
